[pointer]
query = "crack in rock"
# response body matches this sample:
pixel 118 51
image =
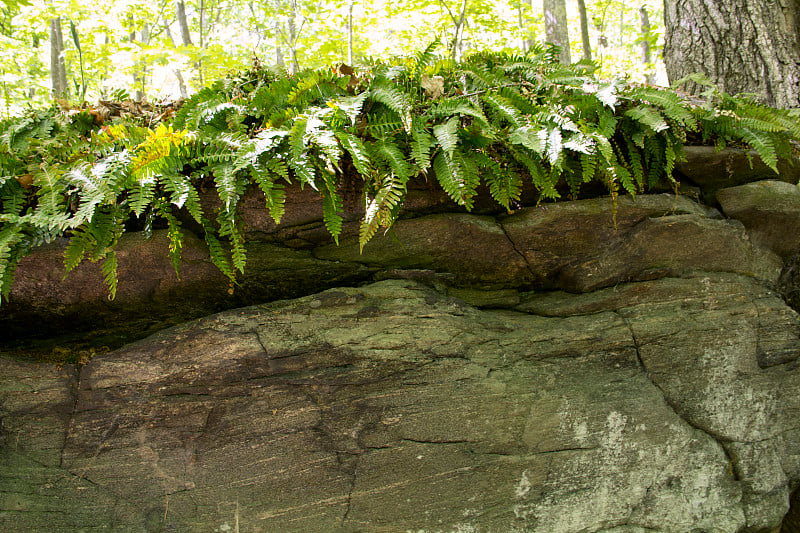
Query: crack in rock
pixel 675 409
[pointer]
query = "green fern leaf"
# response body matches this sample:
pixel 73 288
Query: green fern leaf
pixel 446 134
pixel 358 152
pixel 109 269
pixel 396 100
pixel 532 138
pixel 421 144
pixel 648 116
pixel 763 145
pixel 332 205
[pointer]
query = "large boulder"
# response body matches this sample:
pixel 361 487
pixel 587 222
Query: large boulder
pixel 665 405
pixel 588 244
pixel 713 169
pixel 770 210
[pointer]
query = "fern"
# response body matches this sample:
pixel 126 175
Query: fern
pixel 9 238
pixel 358 152
pixel 332 206
pixel 217 252
pixel 446 135
pixel 421 144
pixel 381 210
pixel 109 269
pixel 395 100
pixel 503 119
pixel 505 185
pixel 458 177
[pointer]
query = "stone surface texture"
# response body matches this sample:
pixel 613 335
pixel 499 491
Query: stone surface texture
pixel 568 368
pixel 674 405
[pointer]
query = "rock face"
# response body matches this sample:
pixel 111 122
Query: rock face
pixel 666 405
pixel 559 369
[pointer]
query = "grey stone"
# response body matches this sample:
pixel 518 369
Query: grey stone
pixel 671 246
pixel 392 407
pixel 770 210
pixel 474 249
pixel 713 170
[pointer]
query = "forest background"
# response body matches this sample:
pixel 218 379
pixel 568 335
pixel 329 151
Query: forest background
pixel 165 49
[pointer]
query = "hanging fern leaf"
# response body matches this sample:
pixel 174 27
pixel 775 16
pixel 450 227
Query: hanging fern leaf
pixel 218 254
pixel 299 161
pixel 648 116
pixel 421 144
pixel 382 209
pixel 109 269
pixel 531 138
pixel 9 238
pixel 456 177
pixel 395 100
pixel 505 185
pixel 358 152
pixel 763 145
pixel 332 206
pixel 446 135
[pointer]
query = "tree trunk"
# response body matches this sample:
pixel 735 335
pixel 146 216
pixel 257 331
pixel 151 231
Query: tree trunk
pixel 186 37
pixel 294 66
pixel 350 33
pixel 587 44
pixel 647 57
pixel 58 63
pixel 555 27
pixel 749 46
pixel 176 71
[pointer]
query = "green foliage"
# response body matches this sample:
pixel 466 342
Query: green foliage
pixel 500 121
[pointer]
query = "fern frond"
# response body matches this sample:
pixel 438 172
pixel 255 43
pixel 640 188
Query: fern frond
pixel 358 152
pixel 381 210
pixel 10 236
pixel 395 157
pixel 446 134
pixel 504 108
pixel 530 137
pixel 218 254
pixel 396 100
pixel 763 145
pixel 332 206
pixel 648 116
pixel 421 144
pixel 109 269
pixel 505 185
pixel 424 59
pixel 456 176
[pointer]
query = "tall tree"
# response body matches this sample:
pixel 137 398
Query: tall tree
pixel 350 32
pixel 647 57
pixel 555 27
pixel 58 63
pixel 587 45
pixel 458 18
pixel 750 46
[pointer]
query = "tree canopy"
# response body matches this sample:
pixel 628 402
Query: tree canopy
pixel 156 48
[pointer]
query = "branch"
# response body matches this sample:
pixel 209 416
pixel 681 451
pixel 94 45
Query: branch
pixel 453 18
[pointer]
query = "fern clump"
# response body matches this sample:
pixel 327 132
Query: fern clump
pixel 493 120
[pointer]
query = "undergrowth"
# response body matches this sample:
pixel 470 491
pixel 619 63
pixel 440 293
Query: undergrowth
pixel 494 119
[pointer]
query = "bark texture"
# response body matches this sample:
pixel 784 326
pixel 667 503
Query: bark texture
pixel 58 66
pixel 585 42
pixel 744 46
pixel 555 26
